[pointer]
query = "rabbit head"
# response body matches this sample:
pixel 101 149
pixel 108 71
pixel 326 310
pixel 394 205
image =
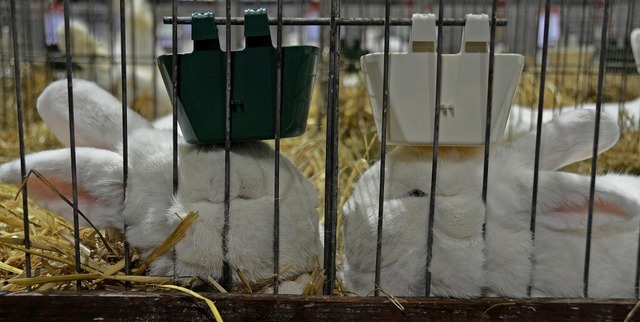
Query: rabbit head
pixel 151 211
pixel 458 222
pixel 507 259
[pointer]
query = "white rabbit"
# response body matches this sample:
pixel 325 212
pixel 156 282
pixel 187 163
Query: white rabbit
pixel 464 264
pixel 143 78
pixel 151 212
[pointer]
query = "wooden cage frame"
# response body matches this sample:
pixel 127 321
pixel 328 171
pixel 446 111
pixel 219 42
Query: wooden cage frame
pixel 148 306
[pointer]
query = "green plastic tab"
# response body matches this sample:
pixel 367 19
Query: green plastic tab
pixel 202 85
pixel 203 26
pixel 256 23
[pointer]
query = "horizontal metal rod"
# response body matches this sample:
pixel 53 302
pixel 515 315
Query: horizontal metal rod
pixel 326 21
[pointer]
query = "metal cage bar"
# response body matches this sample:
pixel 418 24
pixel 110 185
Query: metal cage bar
pixel 335 23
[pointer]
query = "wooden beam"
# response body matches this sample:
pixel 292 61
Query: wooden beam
pixel 113 306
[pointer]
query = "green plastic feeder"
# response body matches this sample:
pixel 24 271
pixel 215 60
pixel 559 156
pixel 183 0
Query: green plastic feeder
pixel 202 83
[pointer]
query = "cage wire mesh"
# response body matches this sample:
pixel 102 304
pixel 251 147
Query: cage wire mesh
pixel 580 58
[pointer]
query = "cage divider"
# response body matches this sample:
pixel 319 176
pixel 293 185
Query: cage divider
pixel 125 138
pixel 227 279
pixel 536 162
pixel 20 116
pixel 174 118
pixel 276 162
pixel 3 60
pixel 154 71
pixel 578 100
pixel 596 135
pixel 487 132
pixel 434 158
pixel 332 140
pixel 630 11
pixel 383 148
pixel 132 50
pixel 72 142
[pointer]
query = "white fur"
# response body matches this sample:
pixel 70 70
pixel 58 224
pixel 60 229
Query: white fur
pixel 523 119
pixel 463 264
pixel 151 211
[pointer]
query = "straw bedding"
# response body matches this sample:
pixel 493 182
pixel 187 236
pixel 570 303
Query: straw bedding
pixel 52 244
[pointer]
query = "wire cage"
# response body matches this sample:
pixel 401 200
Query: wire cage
pixel 63 61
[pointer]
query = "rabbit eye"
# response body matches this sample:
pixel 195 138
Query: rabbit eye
pixel 416 193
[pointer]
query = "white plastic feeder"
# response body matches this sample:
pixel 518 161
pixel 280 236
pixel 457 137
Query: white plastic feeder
pixel 412 87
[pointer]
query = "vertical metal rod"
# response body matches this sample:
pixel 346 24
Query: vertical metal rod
pixel 276 165
pixel 558 56
pixel 331 164
pixel 3 60
pixel 174 121
pixel 23 165
pixel 487 132
pixel 536 162
pixel 132 50
pixel 630 12
pixel 298 29
pixel 154 75
pixel 520 27
pixel 125 141
pixel 581 53
pixel 589 37
pixel 383 144
pixel 596 136
pixel 226 269
pixel 525 37
pixel 434 159
pixel 111 61
pixel 72 142
pixel 625 64
pixel 28 54
pixel 92 53
pixel 565 35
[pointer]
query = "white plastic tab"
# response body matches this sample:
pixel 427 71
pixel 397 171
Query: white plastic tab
pixel 476 34
pixel 423 33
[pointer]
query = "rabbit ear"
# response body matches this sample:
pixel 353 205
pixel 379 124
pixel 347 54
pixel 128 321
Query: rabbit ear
pixel 100 183
pixel 568 138
pixel 563 201
pixel 97 114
